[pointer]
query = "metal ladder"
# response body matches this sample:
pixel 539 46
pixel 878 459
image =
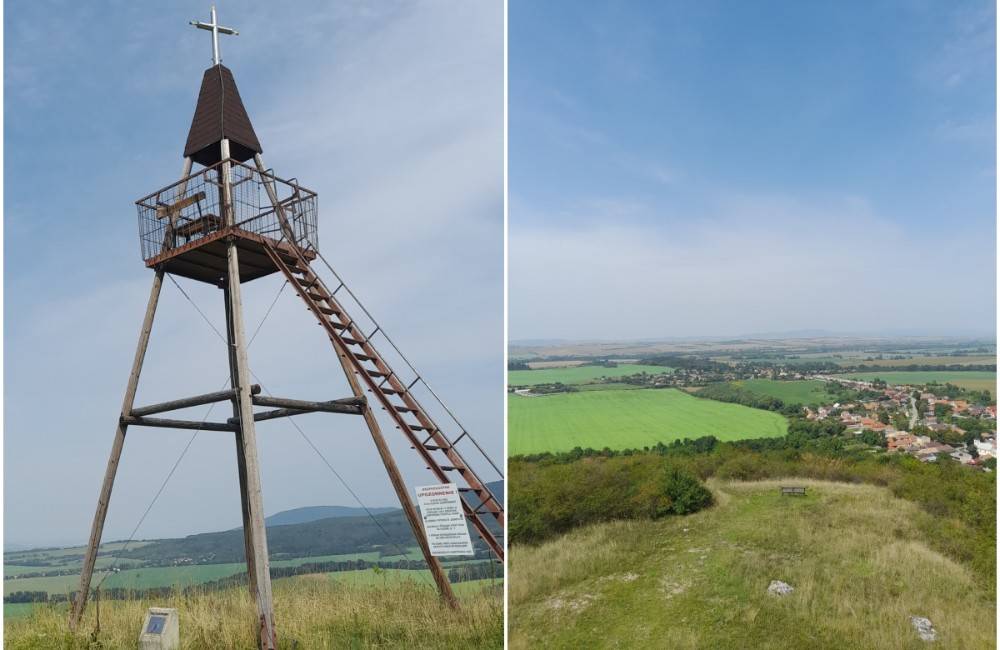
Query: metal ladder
pixel 395 397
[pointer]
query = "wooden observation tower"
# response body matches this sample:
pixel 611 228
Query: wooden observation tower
pixel 230 221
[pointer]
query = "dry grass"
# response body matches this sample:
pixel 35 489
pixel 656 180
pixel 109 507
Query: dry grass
pixel 853 553
pixel 310 613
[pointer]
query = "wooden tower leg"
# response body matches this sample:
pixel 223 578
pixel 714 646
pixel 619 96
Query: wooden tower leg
pixel 440 578
pixel 97 528
pixel 247 434
pixel 241 465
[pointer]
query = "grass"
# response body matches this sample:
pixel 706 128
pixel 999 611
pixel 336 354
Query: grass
pixel 853 553
pixel 368 577
pixel 579 374
pixel 621 419
pixel 808 391
pixel 968 379
pixel 316 613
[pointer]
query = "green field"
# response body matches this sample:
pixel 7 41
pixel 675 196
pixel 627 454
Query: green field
pixel 857 558
pixel 171 576
pixel 970 360
pixel 143 578
pixel 969 379
pixel 621 419
pixel 578 374
pixel 807 391
pixel 17 610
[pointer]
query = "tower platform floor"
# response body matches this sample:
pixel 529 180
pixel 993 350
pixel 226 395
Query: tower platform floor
pixel 204 259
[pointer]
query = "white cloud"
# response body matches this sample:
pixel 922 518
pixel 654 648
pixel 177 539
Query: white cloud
pixel 759 264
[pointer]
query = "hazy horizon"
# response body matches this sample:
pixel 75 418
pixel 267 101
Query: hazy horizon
pixel 956 335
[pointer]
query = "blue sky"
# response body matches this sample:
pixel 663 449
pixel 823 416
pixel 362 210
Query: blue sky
pixel 392 111
pixel 721 168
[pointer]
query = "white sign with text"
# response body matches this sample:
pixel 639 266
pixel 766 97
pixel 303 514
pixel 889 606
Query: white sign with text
pixel 444 522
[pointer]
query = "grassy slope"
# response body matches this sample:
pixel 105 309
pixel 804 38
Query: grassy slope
pixel 970 379
pixel 852 552
pixel 308 614
pixel 621 419
pixel 578 375
pixel 807 391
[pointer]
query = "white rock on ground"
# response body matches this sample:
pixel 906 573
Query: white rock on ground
pixel 779 588
pixel 924 627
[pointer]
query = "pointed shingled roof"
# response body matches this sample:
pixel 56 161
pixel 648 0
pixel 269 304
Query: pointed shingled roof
pixel 220 114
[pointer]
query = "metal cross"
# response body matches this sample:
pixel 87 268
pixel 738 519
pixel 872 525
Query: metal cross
pixel 216 29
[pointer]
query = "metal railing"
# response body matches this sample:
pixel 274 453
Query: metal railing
pixel 191 209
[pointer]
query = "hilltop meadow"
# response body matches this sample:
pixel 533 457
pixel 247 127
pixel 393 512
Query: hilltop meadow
pixel 314 611
pixel 680 541
pixel 855 555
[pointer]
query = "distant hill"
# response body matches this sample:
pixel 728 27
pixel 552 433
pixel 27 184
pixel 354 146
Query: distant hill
pixel 345 532
pixel 314 513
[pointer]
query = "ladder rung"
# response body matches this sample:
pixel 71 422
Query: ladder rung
pixel 349 341
pixel 435 448
pixel 375 373
pixel 392 391
pixel 306 282
pixel 329 311
pixel 418 427
pixel 469 489
pixel 316 296
pixel 405 409
pixel 363 357
pixel 451 468
pixel 337 325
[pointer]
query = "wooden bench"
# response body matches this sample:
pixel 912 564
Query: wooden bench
pixel 798 491
pixel 201 226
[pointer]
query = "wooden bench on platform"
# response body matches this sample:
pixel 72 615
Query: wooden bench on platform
pixel 200 226
pixel 797 491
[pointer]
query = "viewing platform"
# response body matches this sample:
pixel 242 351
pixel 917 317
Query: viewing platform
pixel 183 227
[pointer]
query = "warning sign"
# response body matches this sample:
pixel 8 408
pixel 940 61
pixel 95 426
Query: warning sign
pixel 444 521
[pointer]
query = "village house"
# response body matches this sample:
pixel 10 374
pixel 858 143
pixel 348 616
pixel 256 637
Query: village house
pixel 901 441
pixel 986 448
pixel 962 456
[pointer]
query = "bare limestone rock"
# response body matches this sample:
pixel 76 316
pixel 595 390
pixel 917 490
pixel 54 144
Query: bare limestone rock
pixel 779 588
pixel 924 627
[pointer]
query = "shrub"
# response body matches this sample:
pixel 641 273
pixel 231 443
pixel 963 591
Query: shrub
pixel 554 497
